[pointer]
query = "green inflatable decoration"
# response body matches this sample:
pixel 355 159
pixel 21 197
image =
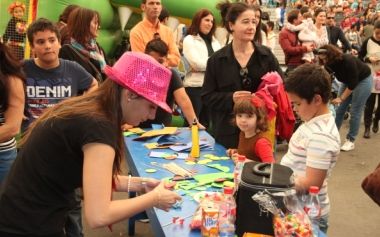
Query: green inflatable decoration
pixel 110 32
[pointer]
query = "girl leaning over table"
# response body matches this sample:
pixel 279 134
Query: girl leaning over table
pixel 79 143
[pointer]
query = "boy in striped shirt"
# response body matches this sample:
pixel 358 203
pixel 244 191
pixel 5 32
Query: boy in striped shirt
pixel 315 145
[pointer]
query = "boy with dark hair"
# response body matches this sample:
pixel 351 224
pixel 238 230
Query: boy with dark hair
pixel 50 79
pixel 315 145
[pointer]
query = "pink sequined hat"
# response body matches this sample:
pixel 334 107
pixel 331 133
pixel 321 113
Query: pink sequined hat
pixel 142 75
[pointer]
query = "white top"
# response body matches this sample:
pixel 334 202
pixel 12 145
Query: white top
pixel 195 51
pixel 315 144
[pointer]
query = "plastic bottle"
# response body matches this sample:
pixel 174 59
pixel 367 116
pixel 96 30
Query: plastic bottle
pixel 313 209
pixel 227 214
pixel 238 170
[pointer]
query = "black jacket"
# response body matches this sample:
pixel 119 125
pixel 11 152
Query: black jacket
pixel 335 33
pixel 222 79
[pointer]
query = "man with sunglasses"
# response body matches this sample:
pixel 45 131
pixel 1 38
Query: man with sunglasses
pixel 335 33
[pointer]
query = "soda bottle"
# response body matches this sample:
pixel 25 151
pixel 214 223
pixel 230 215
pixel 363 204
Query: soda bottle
pixel 227 214
pixel 238 170
pixel 313 209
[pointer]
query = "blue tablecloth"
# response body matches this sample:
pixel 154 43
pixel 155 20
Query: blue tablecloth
pixel 138 159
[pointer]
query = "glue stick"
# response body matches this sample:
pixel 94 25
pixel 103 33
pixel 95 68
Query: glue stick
pixel 195 140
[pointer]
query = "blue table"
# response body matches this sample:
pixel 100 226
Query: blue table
pixel 137 156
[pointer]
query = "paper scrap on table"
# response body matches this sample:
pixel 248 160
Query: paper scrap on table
pixel 167 155
pixel 219 167
pixel 126 134
pixel 151 146
pixel 204 161
pixel 151 170
pixel 203 145
pixel 136 130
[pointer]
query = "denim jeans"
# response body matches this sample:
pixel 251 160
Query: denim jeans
pixel 6 160
pixel 324 223
pixel 357 99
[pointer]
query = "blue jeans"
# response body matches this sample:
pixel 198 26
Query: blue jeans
pixel 357 99
pixel 6 160
pixel 324 223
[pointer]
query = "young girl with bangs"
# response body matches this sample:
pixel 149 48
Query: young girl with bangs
pixel 251 118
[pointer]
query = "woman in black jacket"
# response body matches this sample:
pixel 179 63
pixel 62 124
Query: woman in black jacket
pixel 235 69
pixel 356 80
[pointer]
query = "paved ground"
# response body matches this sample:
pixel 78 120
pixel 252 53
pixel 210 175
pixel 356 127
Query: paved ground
pixel 353 214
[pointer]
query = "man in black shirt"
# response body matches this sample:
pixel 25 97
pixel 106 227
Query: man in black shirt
pixel 335 33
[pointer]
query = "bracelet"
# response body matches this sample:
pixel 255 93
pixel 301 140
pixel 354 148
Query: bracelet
pixel 129 183
pixel 144 182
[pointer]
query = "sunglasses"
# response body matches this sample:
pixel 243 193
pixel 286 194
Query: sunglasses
pixel 247 82
pixel 330 17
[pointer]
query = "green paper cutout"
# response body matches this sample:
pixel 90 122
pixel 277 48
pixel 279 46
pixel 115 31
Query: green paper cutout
pixel 205 161
pixel 202 188
pixel 217 185
pixel 224 158
pixel 219 167
pixel 228 184
pixel 126 134
pixel 151 170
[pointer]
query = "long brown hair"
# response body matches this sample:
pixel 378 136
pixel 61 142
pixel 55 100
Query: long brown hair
pixel 332 53
pixel 103 103
pixel 194 28
pixel 9 66
pixel 78 24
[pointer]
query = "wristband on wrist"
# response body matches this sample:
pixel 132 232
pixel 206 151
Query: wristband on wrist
pixel 129 183
pixel 144 182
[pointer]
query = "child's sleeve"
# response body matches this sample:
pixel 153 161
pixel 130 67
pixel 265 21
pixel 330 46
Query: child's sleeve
pixel 263 149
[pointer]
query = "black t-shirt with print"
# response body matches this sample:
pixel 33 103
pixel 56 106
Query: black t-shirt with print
pixel 39 190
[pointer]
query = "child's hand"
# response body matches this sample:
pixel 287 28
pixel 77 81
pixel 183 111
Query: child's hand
pixel 230 152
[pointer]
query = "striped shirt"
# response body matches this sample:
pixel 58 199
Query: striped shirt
pixel 315 144
pixel 10 144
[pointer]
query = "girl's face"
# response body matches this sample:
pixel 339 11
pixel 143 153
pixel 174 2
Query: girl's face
pixel 246 123
pixel 206 24
pixel 244 28
pixel 376 34
pixel 136 109
pixel 18 12
pixel 321 18
pixel 94 26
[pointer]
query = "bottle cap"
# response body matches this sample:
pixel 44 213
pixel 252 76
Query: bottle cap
pixel 241 158
pixel 228 190
pixel 314 189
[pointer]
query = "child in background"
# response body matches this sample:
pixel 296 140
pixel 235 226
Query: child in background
pixel 251 118
pixel 15 33
pixel 307 34
pixel 271 36
pixel 315 145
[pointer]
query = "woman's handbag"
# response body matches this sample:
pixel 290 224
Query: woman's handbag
pixel 371 185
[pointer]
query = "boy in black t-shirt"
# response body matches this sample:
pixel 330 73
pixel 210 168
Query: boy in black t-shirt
pixel 176 92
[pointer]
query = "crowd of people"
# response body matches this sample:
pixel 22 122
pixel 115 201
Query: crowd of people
pixel 71 105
